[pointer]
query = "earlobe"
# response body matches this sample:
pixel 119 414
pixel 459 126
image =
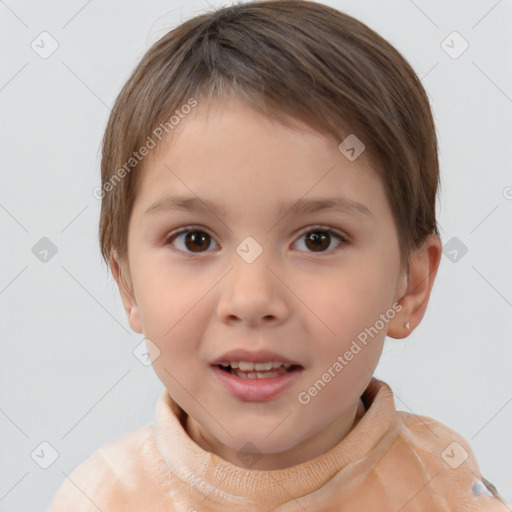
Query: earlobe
pixel 423 270
pixel 121 274
pixel 134 319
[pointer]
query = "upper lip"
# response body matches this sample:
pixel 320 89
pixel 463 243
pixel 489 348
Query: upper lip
pixel 257 356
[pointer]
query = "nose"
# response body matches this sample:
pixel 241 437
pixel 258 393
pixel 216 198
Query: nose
pixel 253 294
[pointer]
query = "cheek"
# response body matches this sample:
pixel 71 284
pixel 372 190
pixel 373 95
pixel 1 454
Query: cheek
pixel 168 311
pixel 164 293
pixel 349 301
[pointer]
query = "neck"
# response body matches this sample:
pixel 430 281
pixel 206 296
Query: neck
pixel 308 449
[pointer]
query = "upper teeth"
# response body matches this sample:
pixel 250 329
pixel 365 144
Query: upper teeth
pixel 247 366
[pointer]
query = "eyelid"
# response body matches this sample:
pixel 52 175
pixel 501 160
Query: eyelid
pixel 322 227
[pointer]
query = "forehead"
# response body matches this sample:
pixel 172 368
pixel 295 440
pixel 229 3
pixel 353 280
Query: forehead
pixel 227 154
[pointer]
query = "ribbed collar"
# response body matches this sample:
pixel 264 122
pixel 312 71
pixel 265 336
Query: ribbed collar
pixel 202 469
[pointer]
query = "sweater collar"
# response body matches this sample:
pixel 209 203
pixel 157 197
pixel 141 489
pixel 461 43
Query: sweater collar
pixel 200 468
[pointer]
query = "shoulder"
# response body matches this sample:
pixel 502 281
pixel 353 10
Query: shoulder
pixel 446 454
pixel 112 474
pixel 432 434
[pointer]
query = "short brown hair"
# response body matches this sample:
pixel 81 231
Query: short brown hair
pixel 290 60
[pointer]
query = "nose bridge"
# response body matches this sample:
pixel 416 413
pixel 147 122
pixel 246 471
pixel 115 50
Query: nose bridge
pixel 252 262
pixel 251 291
pixel 250 250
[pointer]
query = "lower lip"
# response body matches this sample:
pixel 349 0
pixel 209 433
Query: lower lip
pixel 256 390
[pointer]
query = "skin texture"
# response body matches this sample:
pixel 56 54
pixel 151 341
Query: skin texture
pixel 303 301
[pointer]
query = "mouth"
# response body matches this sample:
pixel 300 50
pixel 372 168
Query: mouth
pixel 277 370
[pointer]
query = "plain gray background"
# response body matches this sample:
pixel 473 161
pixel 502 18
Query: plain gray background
pixel 69 377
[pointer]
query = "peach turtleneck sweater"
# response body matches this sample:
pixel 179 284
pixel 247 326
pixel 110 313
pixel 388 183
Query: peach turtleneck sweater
pixel 391 461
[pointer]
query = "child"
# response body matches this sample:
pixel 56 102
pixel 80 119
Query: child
pixel 269 177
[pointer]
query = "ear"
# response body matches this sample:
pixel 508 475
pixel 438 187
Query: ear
pixel 121 272
pixel 413 290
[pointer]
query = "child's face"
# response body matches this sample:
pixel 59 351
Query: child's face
pixel 196 299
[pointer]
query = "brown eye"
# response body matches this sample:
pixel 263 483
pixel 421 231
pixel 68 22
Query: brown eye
pixel 318 240
pixel 195 241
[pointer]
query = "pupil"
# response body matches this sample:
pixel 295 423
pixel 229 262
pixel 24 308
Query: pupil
pixel 197 240
pixel 318 241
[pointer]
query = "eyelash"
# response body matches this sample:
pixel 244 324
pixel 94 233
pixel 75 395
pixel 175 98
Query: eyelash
pixel 318 228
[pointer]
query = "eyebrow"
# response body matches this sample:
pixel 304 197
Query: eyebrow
pixel 301 206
